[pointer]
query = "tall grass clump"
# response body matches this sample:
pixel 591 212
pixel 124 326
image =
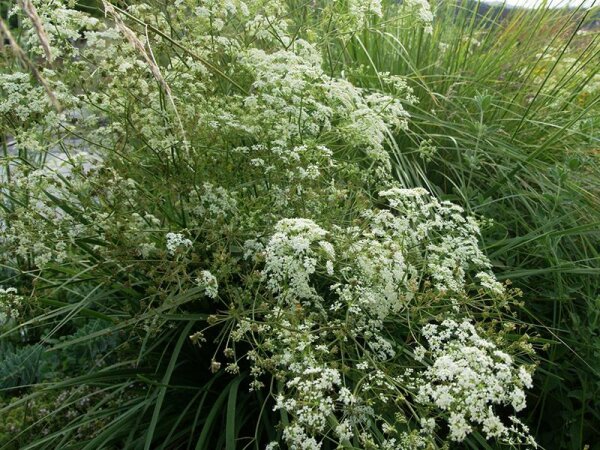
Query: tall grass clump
pixel 282 224
pixel 507 125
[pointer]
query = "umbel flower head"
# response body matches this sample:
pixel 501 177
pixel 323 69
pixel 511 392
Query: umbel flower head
pixel 468 378
pixel 348 286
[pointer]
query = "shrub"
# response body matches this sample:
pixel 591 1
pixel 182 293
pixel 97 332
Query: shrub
pixel 204 200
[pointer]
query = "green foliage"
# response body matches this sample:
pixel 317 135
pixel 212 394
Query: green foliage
pixel 19 366
pixel 509 114
pixel 159 275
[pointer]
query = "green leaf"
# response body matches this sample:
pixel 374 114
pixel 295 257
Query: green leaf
pixel 163 390
pixel 230 432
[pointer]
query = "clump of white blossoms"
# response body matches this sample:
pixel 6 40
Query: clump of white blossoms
pixel 345 285
pixel 11 304
pixel 177 242
pixel 290 259
pixel 275 167
pixel 468 379
pixel 208 282
pixel 423 12
pixel 20 98
pixel 361 10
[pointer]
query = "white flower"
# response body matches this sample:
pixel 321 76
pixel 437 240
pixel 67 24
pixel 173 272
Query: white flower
pixel 493 426
pixel 10 304
pixel 428 424
pixel 459 428
pixel 423 10
pixel 419 353
pixel 329 267
pixel 209 283
pixel 291 258
pixel 360 11
pixel 344 431
pixel 489 282
pixel 468 378
pixel 525 378
pixel 176 241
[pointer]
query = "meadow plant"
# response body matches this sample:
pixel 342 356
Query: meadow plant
pixel 222 201
pixel 507 127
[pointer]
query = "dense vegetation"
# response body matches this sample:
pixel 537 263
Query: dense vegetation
pixel 299 224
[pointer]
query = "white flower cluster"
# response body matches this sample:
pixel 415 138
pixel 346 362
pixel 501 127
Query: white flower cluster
pixel 350 281
pixel 448 240
pixel 24 237
pixel 362 10
pixel 20 97
pixel 217 12
pixel 291 83
pixel 489 282
pixel 351 16
pixel 213 202
pixel 423 11
pixel 316 389
pixel 176 242
pixel 385 259
pixel 469 377
pixel 11 304
pixel 60 23
pixel 54 210
pixel 208 282
pixel 291 259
